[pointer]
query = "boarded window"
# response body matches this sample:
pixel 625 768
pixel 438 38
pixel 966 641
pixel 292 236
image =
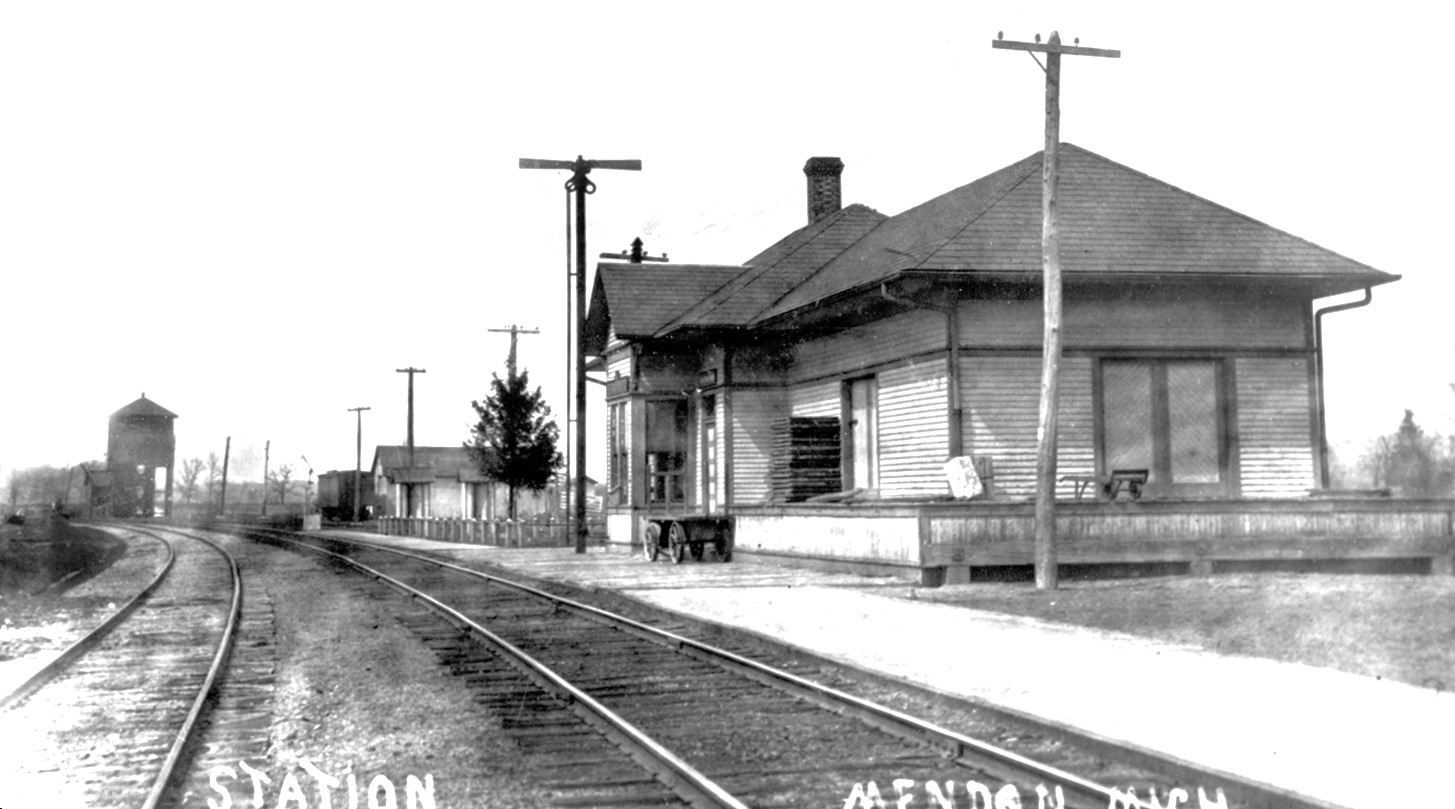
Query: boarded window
pixel 806 458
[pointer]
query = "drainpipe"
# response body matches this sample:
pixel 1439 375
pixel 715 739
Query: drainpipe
pixel 1319 374
pixel 952 336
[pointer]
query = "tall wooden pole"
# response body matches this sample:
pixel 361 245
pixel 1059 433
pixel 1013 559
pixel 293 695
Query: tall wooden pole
pixel 1051 334
pixel 1045 540
pixel 358 458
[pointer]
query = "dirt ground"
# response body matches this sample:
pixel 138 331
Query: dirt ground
pixel 1400 627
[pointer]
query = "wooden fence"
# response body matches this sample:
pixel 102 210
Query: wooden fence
pixel 526 533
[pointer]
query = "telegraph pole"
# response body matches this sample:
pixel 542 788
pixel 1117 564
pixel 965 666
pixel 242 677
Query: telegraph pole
pixel 411 371
pixel 580 187
pixel 1051 271
pixel 514 330
pixel 358 458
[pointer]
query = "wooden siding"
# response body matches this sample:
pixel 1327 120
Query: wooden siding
pixel 1145 319
pixel 903 335
pixel 816 399
pixel 619 363
pixel 1001 398
pixel 1275 436
pixel 753 412
pixel 1000 534
pixel 885 538
pixel 913 429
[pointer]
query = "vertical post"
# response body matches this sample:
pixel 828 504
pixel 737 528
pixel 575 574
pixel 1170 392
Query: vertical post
pixel 226 454
pixel 580 481
pixel 358 459
pixel 1051 337
pixel 267 449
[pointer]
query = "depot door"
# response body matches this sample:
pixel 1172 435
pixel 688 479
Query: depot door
pixel 1166 416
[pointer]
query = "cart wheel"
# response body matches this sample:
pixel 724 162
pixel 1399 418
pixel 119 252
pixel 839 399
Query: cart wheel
pixel 651 540
pixel 1136 490
pixel 723 547
pixel 697 548
pixel 677 541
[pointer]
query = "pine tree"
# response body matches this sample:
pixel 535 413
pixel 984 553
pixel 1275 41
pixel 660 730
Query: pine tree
pixel 514 442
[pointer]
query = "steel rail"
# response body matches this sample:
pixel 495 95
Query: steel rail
pixel 88 641
pixel 690 784
pixel 214 671
pixel 957 745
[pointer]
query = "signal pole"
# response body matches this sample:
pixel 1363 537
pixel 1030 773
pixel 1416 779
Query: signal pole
pixel 580 187
pixel 358 458
pixel 1051 270
pixel 514 330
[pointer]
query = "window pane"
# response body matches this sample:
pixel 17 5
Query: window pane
pixel 1127 415
pixel 1192 421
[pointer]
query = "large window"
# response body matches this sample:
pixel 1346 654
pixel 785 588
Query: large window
pixel 1166 416
pixel 666 450
pixel 619 490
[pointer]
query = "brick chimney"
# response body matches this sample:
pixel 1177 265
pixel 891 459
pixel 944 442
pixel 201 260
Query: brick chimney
pixel 824 195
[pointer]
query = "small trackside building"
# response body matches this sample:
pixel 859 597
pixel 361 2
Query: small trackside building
pixel 814 394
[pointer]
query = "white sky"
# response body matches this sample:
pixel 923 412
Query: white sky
pixel 256 212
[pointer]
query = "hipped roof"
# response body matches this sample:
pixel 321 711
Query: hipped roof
pixel 430 464
pixel 1114 223
pixel 144 407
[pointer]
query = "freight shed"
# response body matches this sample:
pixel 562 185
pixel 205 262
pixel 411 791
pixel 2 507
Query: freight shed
pixel 809 399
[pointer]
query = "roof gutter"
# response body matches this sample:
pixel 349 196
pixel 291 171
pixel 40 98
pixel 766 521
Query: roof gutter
pixel 1319 373
pixel 952 362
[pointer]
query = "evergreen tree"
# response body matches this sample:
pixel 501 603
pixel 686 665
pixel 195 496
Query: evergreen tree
pixel 514 441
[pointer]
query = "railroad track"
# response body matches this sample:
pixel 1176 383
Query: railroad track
pixel 109 721
pixel 706 726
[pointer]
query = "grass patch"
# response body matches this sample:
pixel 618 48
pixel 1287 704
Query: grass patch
pixel 1399 627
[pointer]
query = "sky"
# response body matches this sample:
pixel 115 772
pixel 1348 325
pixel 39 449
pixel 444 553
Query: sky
pixel 255 213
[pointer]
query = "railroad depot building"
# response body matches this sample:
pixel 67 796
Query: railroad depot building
pixel 863 351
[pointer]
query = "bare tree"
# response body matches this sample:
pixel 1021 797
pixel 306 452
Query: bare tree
pixel 214 475
pixel 280 480
pixel 191 470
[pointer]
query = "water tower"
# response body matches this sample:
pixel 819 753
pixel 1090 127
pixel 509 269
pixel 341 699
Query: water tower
pixel 138 443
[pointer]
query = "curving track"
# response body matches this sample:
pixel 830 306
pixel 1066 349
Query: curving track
pixel 108 723
pixel 714 726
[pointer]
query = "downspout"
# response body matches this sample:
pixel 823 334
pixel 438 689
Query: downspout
pixel 1319 375
pixel 952 337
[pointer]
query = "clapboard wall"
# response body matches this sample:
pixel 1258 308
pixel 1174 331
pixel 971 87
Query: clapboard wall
pixel 1275 426
pixel 1001 399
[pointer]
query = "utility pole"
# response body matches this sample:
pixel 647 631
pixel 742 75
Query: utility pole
pixel 1045 547
pixel 580 187
pixel 409 487
pixel 358 458
pixel 267 449
pixel 226 454
pixel 510 361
